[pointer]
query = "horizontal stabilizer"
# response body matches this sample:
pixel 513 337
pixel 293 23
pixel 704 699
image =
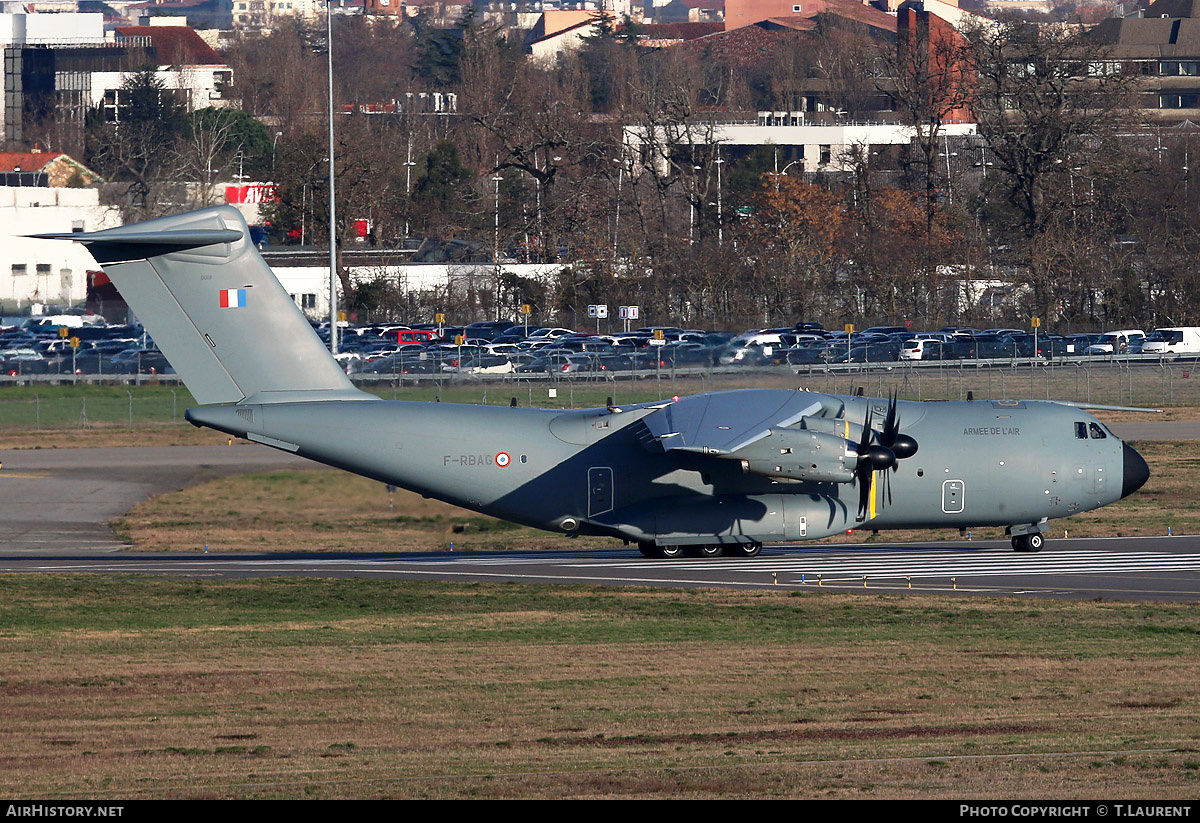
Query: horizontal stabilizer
pixel 133 243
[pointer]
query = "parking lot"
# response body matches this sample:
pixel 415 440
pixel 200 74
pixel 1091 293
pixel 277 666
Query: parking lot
pixel 510 361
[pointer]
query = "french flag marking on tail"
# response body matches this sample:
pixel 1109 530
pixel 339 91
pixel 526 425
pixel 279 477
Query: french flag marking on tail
pixel 233 298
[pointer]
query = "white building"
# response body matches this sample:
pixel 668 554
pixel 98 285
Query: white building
pixel 817 147
pixel 47 271
pixel 309 285
pixel 24 29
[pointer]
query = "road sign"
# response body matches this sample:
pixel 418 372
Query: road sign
pixel 602 311
pixel 74 342
pixel 526 308
pixel 439 318
pixel 1035 322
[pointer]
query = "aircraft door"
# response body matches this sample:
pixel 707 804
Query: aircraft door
pixel 952 496
pixel 600 490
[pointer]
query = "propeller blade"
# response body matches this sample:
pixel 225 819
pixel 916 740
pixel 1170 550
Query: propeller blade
pixel 902 445
pixel 882 455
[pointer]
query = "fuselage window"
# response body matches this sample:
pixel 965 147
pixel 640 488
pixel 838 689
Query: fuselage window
pixel 1081 431
pixel 1097 432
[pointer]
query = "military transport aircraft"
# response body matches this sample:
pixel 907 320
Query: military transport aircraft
pixel 708 475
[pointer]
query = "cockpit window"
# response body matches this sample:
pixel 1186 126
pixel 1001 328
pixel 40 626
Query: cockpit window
pixel 1081 432
pixel 1097 432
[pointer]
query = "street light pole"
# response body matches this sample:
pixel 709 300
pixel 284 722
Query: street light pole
pixel 408 164
pixel 720 218
pixel 333 312
pixel 496 241
pixel 617 219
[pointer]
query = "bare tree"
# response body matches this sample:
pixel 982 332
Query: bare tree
pixel 1043 97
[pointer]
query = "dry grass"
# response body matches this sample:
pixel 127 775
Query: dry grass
pixel 109 435
pixel 446 691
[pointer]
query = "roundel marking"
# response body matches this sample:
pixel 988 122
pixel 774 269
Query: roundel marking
pixel 502 459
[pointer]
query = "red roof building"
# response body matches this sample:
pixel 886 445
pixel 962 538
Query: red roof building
pixel 175 45
pixel 60 170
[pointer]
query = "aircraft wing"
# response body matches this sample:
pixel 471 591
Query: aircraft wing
pixel 725 423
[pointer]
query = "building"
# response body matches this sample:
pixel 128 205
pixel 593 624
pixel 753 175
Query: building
pixel 811 147
pixel 44 169
pixel 200 14
pixel 45 199
pixel 185 62
pixel 1162 46
pixel 304 273
pixel 58 69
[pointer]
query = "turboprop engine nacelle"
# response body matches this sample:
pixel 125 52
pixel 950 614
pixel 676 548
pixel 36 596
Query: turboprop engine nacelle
pixel 799 454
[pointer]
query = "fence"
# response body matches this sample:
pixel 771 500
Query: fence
pixel 1147 384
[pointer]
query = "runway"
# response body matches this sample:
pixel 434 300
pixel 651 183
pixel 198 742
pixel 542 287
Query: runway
pixel 1147 568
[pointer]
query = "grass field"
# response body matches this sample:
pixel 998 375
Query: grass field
pixel 142 688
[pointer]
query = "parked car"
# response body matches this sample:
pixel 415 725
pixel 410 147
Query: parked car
pixel 1173 340
pixel 927 349
pixel 1078 343
pixel 1123 341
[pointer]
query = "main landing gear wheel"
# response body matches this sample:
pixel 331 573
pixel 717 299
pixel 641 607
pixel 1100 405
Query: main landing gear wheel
pixel 746 550
pixel 1031 542
pixel 648 549
pixel 706 550
pixel 670 552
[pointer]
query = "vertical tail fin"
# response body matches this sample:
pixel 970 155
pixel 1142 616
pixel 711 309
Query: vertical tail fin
pixel 216 309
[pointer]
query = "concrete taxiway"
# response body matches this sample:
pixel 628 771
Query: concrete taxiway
pixel 59 501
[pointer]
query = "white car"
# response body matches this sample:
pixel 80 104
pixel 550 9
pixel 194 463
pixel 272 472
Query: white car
pixel 1174 340
pixel 1124 341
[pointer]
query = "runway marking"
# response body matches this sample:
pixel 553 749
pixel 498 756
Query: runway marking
pixel 922 565
pixel 837 569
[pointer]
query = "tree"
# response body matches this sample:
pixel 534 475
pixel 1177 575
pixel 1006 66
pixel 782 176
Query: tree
pixel 137 151
pixel 219 143
pixel 796 230
pixel 1047 105
pixel 443 192
pixel 928 81
pixel 1041 109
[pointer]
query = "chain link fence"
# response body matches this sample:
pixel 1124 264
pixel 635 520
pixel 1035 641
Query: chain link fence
pixel 1144 384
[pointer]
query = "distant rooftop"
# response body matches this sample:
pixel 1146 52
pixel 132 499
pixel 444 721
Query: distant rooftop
pixel 176 45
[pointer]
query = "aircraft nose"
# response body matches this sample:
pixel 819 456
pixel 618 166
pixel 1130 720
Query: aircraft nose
pixel 1136 472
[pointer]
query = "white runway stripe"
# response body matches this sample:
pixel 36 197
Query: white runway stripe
pixel 923 564
pixel 892 565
